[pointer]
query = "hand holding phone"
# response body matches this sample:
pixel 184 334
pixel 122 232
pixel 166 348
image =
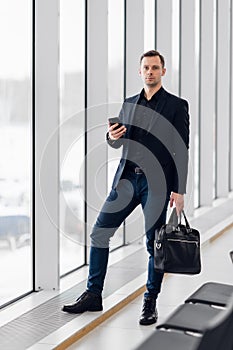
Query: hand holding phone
pixel 116 129
pixel 115 120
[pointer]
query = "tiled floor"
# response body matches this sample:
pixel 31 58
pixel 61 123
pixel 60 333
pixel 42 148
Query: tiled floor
pixel 122 330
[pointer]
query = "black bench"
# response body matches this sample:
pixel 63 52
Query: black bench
pixel 196 326
pixel 212 293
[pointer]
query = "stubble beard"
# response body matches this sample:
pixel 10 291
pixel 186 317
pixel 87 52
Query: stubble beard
pixel 152 84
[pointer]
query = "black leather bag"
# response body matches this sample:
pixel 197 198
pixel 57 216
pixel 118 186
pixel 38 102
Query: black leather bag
pixel 177 247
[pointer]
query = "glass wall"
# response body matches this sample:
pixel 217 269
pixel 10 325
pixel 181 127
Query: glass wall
pixel 15 148
pixel 210 146
pixel 72 126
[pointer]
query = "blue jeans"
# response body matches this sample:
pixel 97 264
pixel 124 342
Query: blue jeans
pixel 131 191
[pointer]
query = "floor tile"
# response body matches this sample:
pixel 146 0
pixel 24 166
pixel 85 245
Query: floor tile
pixel 39 346
pixel 113 339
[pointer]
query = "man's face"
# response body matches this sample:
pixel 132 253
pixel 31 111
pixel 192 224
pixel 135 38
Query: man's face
pixel 151 71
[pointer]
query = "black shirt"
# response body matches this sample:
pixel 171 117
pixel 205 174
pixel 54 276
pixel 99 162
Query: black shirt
pixel 152 103
pixel 144 112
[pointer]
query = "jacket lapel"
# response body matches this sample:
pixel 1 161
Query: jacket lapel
pixel 132 110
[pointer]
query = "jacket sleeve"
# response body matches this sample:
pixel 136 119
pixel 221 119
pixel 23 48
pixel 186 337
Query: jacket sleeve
pixel 116 143
pixel 181 146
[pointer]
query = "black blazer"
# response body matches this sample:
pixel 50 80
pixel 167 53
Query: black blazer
pixel 167 139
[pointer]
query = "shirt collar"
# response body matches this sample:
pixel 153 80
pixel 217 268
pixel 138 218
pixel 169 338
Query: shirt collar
pixel 154 97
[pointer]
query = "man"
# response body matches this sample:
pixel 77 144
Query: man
pixel 154 135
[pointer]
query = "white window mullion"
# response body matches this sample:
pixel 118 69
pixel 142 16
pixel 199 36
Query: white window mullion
pixel 231 102
pixel 223 85
pixel 207 101
pixel 167 38
pixel 97 109
pixel 134 44
pixel 190 69
pixel 134 49
pixel 47 145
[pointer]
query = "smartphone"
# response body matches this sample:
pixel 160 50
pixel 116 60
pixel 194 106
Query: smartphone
pixel 115 120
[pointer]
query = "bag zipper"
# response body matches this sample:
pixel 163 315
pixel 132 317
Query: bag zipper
pixel 182 240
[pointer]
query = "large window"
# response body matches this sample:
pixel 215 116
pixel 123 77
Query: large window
pixel 72 92
pixel 15 149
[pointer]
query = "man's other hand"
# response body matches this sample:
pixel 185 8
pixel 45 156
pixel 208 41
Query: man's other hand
pixel 178 200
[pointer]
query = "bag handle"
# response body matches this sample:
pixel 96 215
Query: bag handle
pixel 174 220
pixel 186 220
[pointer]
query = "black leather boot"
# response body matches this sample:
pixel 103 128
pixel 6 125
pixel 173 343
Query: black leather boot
pixel 88 301
pixel 149 312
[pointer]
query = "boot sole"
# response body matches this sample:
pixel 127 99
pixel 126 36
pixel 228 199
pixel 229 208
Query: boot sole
pixel 96 309
pixel 147 323
pixel 82 311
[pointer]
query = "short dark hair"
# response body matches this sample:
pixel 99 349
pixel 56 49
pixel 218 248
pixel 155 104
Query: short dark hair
pixel 153 53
